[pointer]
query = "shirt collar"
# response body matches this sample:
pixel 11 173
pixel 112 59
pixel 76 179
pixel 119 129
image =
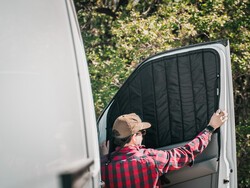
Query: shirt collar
pixel 130 148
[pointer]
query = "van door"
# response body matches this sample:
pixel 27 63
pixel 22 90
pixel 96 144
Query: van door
pixel 177 92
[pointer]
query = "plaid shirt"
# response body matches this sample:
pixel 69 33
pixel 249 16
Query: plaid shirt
pixel 135 166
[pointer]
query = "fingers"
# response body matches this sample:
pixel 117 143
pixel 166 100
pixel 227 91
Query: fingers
pixel 218 112
pixel 218 118
pixel 104 147
pixel 223 118
pixel 223 115
pixel 107 143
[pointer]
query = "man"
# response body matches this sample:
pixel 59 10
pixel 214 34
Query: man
pixel 131 165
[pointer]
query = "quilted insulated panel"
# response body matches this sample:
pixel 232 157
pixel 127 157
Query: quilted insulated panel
pixel 177 94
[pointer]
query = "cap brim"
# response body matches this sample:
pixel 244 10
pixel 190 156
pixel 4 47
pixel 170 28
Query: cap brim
pixel 145 125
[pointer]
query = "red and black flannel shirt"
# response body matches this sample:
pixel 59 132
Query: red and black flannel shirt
pixel 135 166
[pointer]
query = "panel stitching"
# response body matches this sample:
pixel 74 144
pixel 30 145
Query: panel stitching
pixel 129 97
pixel 170 125
pixel 205 81
pixel 157 130
pixel 142 109
pixel 191 75
pixel 178 70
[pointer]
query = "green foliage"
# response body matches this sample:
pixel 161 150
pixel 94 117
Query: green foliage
pixel 243 150
pixel 120 34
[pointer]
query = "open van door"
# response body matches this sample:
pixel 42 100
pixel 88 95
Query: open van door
pixel 177 92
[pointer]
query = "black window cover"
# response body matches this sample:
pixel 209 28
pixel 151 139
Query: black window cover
pixel 177 94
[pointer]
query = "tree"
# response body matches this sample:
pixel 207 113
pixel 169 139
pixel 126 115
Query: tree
pixel 120 34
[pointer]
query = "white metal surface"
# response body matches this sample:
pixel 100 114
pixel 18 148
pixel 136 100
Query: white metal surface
pixel 47 112
pixel 228 167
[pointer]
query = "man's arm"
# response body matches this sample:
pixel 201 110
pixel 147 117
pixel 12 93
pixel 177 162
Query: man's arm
pixel 177 158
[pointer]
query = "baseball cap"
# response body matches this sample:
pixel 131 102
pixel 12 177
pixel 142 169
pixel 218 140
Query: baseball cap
pixel 128 124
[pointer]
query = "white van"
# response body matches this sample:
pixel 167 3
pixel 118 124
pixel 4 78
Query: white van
pixel 48 135
pixel 177 92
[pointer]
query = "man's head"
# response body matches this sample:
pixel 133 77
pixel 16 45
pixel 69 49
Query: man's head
pixel 128 125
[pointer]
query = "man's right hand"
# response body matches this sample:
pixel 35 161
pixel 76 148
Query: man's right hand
pixel 218 118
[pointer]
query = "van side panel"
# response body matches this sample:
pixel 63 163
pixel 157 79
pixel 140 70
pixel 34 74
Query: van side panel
pixel 43 125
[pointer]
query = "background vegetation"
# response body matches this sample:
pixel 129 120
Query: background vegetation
pixel 119 34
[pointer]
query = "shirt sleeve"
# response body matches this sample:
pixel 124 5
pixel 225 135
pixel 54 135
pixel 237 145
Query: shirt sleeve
pixel 177 158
